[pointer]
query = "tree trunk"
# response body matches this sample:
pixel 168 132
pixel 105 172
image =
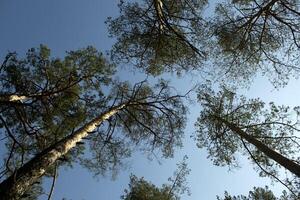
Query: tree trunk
pixel 158 4
pixel 277 157
pixel 14 186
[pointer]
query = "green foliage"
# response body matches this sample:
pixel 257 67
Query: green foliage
pixel 157 40
pixel 238 41
pixel 153 122
pixel 64 94
pixel 258 193
pixel 140 189
pixel 253 36
pixel 59 92
pixel 59 98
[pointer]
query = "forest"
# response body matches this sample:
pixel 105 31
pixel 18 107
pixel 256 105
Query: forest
pixel 150 100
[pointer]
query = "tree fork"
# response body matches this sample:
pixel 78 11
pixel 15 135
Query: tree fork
pixel 15 185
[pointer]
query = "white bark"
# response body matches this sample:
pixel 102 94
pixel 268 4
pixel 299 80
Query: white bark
pixel 13 98
pixel 17 184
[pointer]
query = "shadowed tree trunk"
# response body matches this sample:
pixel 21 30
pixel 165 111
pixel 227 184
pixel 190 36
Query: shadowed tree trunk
pixel 14 186
pixel 277 157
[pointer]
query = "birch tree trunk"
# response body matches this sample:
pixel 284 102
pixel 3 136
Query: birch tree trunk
pixel 14 186
pixel 12 98
pixel 277 157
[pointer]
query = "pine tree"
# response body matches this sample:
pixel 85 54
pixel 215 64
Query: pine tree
pixel 268 137
pixel 43 131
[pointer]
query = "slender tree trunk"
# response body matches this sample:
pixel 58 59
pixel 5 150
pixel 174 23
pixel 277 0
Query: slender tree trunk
pixel 158 4
pixel 277 157
pixel 14 186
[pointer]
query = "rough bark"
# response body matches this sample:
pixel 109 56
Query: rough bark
pixel 277 157
pixel 14 186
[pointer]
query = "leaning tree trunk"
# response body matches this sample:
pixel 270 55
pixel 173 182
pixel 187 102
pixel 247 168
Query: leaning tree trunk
pixel 277 157
pixel 14 186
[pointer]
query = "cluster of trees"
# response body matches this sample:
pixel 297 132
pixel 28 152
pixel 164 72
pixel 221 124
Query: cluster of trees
pixel 55 112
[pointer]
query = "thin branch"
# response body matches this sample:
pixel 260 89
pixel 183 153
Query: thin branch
pixel 53 182
pixel 264 170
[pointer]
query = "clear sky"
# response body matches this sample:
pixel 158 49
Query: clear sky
pixel 71 24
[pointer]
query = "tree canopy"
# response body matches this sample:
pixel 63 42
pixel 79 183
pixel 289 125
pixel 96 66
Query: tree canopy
pixel 159 36
pixel 140 189
pixel 257 193
pixel 257 36
pixel 242 38
pixel 39 130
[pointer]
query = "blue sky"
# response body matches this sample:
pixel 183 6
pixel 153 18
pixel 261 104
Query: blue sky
pixel 71 24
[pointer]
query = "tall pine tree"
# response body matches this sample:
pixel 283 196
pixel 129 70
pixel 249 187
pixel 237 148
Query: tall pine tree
pixel 267 136
pixel 75 99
